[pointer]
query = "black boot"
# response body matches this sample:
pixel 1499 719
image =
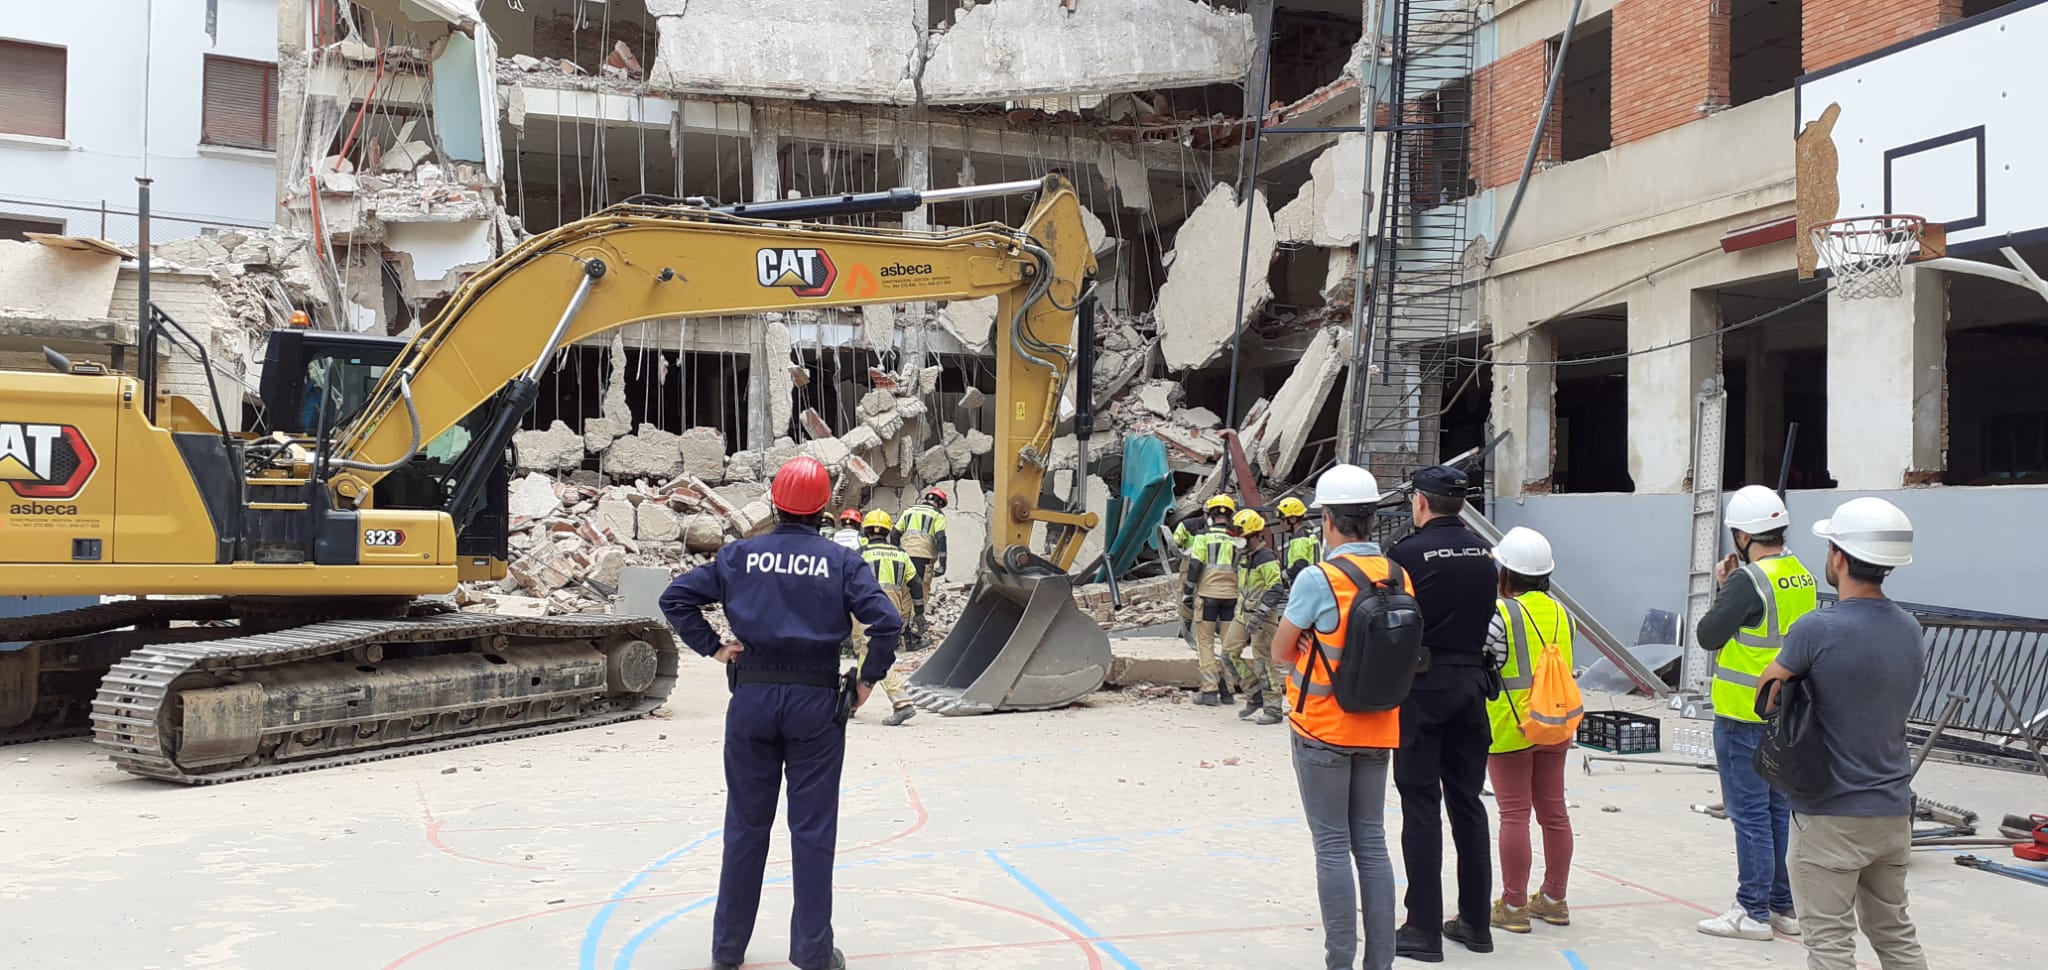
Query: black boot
pixel 1267 716
pixel 1207 698
pixel 1476 939
pixel 1252 703
pixel 1418 944
pixel 1225 698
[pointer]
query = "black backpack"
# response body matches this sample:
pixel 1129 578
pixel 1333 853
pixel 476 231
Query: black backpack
pixel 1793 756
pixel 1383 648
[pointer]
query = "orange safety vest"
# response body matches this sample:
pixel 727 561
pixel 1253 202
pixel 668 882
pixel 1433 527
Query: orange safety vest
pixel 1320 717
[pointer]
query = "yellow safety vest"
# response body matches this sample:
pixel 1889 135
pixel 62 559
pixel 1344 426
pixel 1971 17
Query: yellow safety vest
pixel 1789 592
pixel 1303 550
pixel 1532 620
pixel 917 525
pixel 892 566
pixel 1216 551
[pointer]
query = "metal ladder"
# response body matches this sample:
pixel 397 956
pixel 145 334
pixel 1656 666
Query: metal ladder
pixel 1696 670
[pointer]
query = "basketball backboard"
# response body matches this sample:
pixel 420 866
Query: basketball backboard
pixel 1946 126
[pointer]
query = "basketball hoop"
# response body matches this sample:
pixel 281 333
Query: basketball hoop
pixel 1867 254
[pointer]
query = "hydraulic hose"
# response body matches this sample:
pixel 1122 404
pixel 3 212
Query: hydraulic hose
pixel 412 413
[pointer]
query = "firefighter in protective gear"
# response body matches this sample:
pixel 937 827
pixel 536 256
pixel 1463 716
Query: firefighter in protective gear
pixel 791 598
pixel 1300 546
pixel 1763 591
pixel 898 578
pixel 848 533
pixel 1527 778
pixel 1261 590
pixel 920 531
pixel 1209 593
pixel 877 527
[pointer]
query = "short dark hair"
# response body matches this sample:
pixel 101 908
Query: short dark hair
pixel 1350 520
pixel 1860 571
pixel 1442 504
pixel 1772 537
pixel 1521 583
pixel 815 520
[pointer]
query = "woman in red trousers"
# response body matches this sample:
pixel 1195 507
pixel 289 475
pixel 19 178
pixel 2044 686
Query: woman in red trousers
pixel 1527 776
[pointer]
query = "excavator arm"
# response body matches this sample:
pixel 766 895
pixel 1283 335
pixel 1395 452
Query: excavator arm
pixel 634 263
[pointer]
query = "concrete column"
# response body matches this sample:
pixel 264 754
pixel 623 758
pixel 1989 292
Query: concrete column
pixel 1524 400
pixel 767 155
pixel 291 97
pixel 1763 428
pixel 1661 384
pixel 917 173
pixel 1885 384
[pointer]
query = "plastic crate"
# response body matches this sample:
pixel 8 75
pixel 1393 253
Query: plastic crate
pixel 1620 732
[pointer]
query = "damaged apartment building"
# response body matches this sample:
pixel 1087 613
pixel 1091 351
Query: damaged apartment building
pixel 420 138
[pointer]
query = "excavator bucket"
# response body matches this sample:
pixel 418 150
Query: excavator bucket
pixel 1021 645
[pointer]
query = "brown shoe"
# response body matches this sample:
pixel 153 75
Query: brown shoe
pixel 1552 911
pixel 1514 919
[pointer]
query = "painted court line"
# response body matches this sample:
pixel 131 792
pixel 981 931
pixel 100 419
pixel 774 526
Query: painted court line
pixel 1108 949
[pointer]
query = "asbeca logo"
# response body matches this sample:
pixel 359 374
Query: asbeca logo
pixel 45 461
pixel 804 272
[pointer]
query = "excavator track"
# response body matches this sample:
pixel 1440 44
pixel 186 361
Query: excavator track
pixel 347 691
pixel 46 685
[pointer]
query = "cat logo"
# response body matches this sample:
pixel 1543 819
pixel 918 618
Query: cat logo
pixel 45 461
pixel 806 272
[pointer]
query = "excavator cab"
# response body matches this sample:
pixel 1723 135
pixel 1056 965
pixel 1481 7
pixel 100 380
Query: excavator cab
pixel 301 368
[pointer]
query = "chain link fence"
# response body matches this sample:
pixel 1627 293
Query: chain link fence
pixel 114 222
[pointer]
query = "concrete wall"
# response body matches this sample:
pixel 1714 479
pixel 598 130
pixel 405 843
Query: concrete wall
pixel 1624 554
pixel 101 152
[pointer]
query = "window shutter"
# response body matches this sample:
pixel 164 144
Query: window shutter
pixel 239 104
pixel 31 89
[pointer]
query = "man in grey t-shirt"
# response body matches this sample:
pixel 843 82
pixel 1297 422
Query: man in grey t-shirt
pixel 1863 659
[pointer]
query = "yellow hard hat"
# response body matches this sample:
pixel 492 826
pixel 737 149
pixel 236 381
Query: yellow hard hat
pixel 1292 508
pixel 878 519
pixel 1224 502
pixel 1249 521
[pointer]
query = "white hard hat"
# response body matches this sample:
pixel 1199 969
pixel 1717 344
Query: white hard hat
pixel 1525 551
pixel 1346 485
pixel 1870 529
pixel 1755 509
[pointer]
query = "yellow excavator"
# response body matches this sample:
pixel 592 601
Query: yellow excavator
pixel 277 623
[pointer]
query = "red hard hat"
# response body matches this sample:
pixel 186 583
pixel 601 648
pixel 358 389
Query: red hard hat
pixel 938 493
pixel 849 515
pixel 802 486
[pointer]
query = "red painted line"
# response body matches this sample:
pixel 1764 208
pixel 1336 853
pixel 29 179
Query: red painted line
pixel 1667 897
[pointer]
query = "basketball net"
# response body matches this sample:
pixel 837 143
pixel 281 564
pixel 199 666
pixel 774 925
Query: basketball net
pixel 1867 255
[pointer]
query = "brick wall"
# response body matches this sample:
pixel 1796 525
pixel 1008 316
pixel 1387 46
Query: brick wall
pixel 557 36
pixel 1506 97
pixel 1670 64
pixel 1839 30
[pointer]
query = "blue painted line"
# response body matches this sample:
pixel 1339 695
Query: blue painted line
pixel 1108 949
pixel 1571 959
pixel 586 958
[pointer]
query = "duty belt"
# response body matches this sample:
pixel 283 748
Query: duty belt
pixel 1457 660
pixel 735 676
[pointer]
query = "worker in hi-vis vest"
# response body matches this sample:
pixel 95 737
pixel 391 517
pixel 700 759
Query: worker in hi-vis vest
pixel 1209 595
pixel 1527 778
pixel 1764 590
pixel 1301 546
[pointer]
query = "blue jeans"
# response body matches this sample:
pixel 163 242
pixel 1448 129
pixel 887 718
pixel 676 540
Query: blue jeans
pixel 1762 817
pixel 1344 796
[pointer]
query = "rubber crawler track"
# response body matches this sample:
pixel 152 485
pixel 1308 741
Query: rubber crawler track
pixel 130 716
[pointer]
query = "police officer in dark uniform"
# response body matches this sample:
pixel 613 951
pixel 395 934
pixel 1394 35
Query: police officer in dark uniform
pixel 1445 733
pixel 788 596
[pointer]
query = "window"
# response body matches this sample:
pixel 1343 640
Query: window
pixel 17 228
pixel 240 109
pixel 1585 108
pixel 1763 48
pixel 31 89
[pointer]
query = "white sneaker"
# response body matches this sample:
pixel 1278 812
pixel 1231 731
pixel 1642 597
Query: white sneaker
pixel 1785 924
pixel 1736 924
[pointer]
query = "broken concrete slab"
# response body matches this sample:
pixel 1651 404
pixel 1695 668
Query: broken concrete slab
pixel 856 50
pixel 934 464
pixel 615 416
pixel 1201 418
pixel 1048 49
pixel 966 529
pixel 757 517
pixel 534 497
pixel 877 402
pixel 978 442
pixel 740 494
pixel 1158 661
pixel 407 156
pixel 1300 401
pixel 703 451
pixel 830 451
pixel 744 466
pixel 1329 208
pixel 972 322
pixel 858 470
pixel 559 448
pixel 703 532
pixel 649 453
pixel 778 348
pixel 606 564
pixel 928 379
pixel 1158 397
pixel 878 326
pixel 971 399
pixel 615 515
pixel 62 284
pixel 653 521
pixel 862 439
pixel 886 425
pixel 1197 308
pixel 813 423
